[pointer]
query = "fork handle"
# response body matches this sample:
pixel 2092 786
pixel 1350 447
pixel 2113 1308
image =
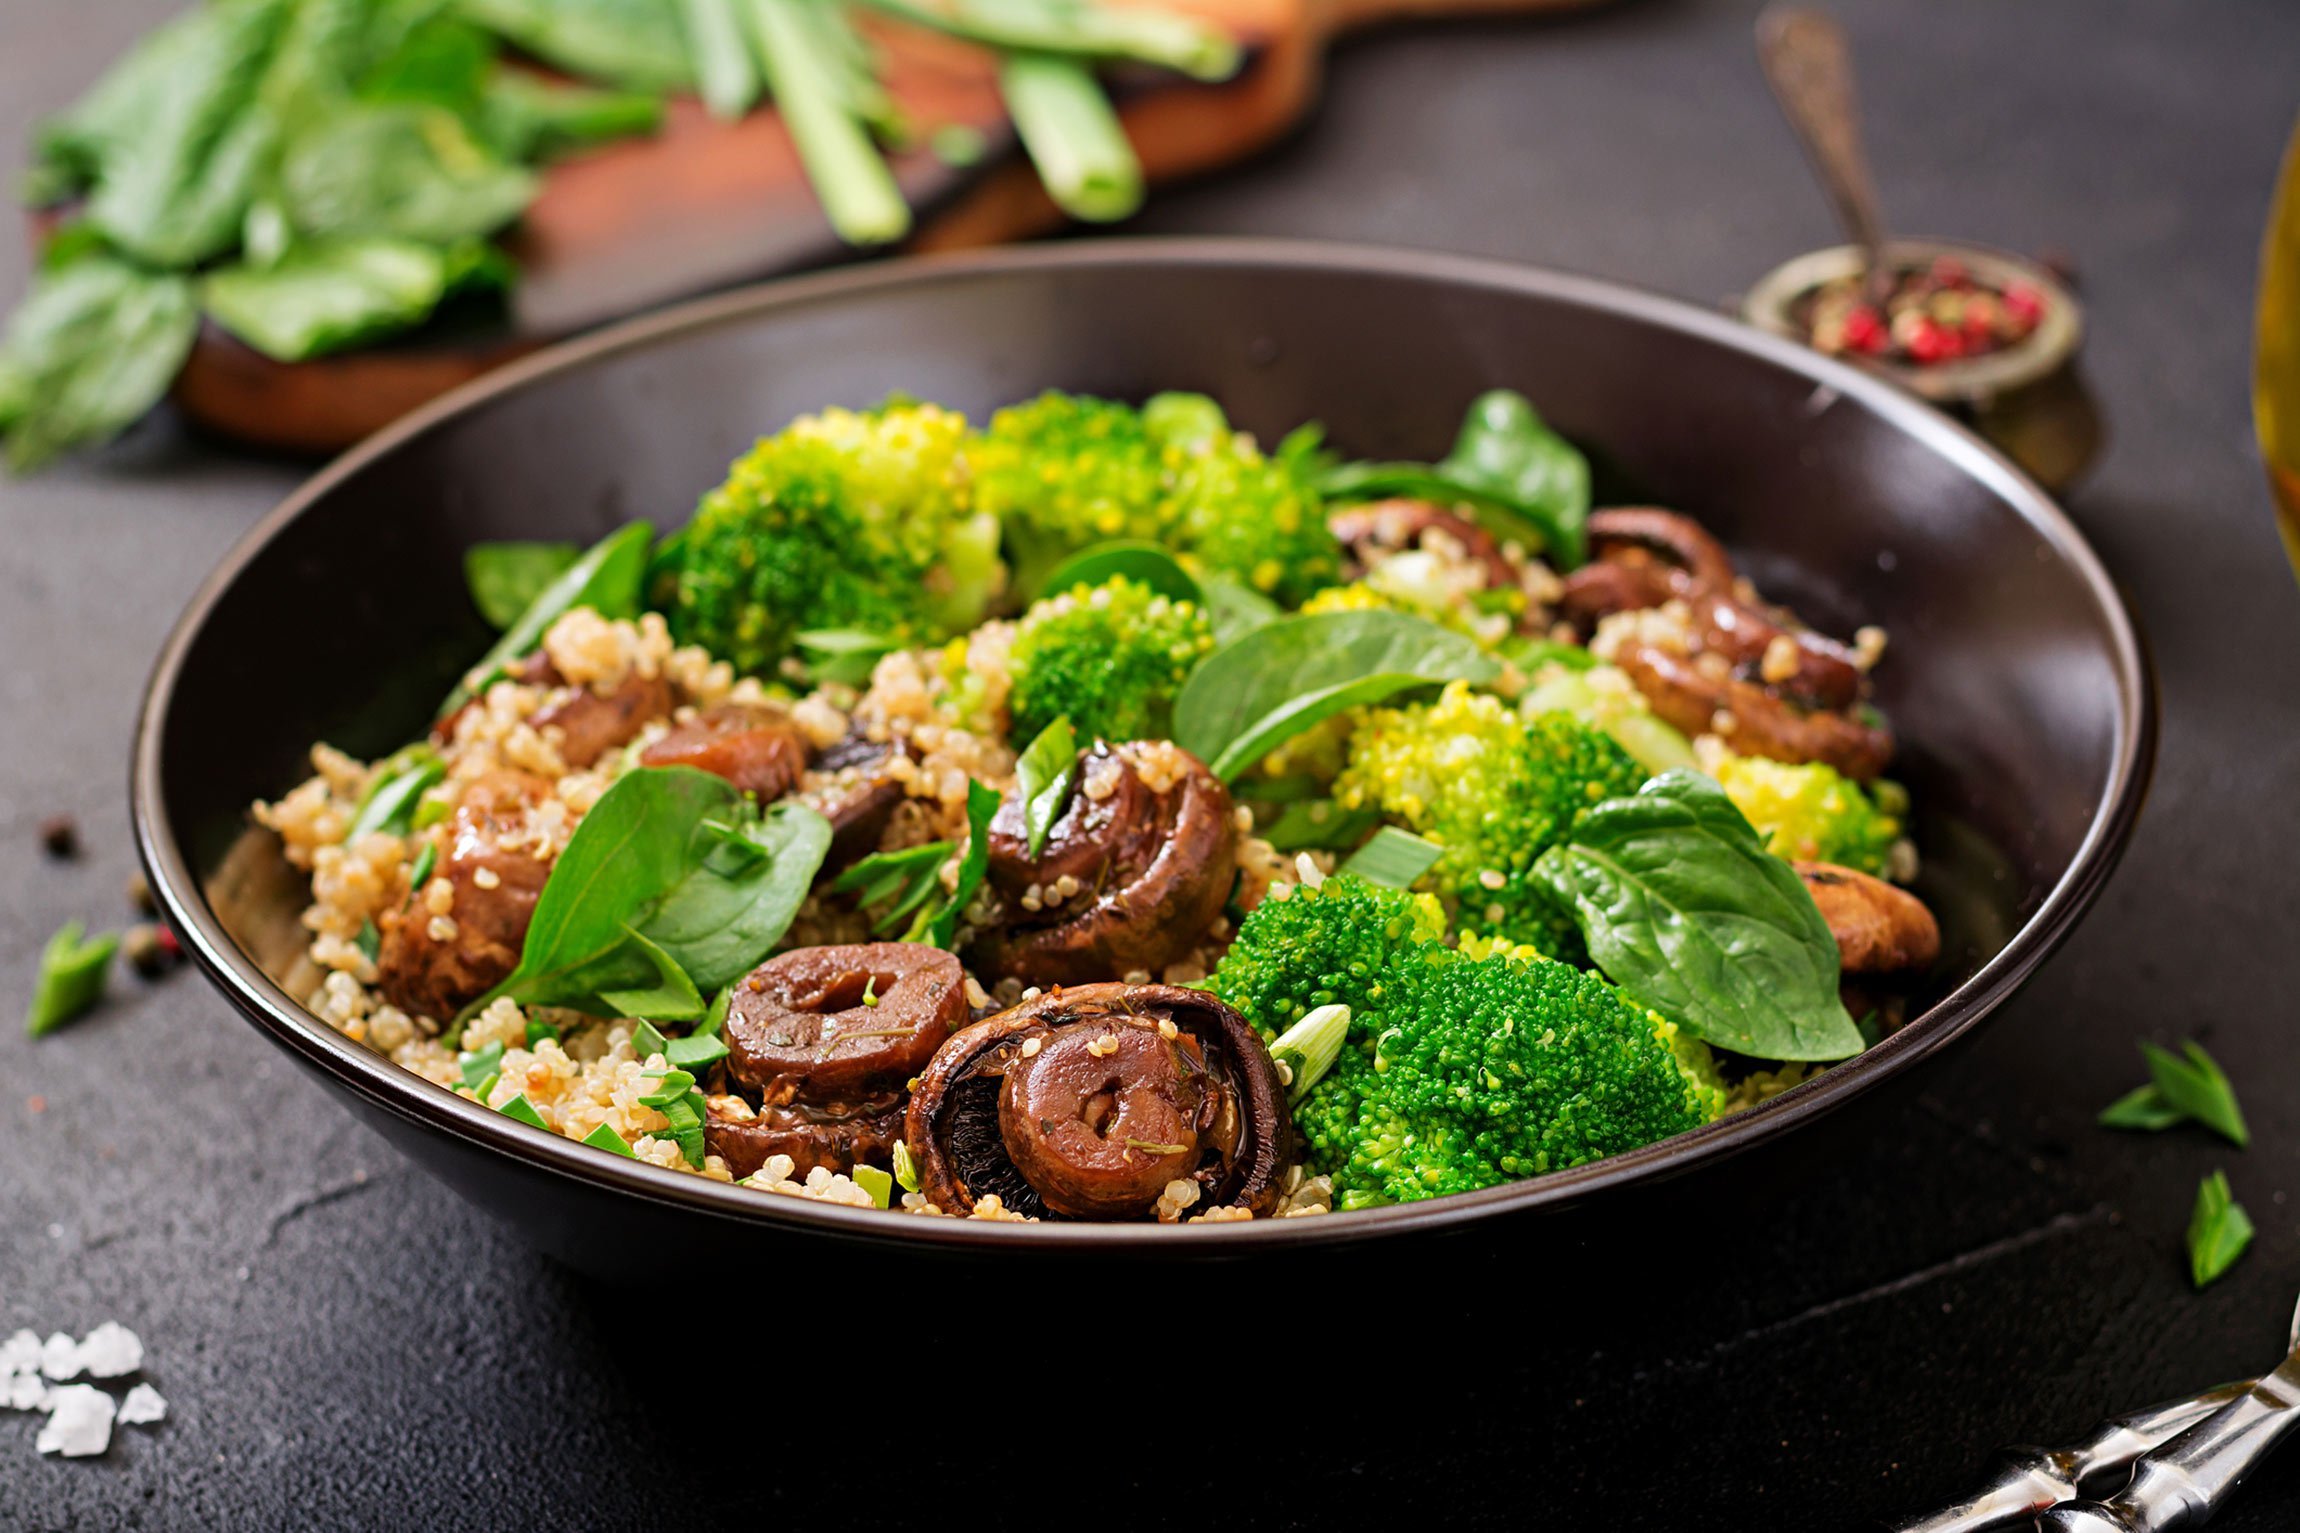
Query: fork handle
pixel 2188 1479
pixel 2027 1480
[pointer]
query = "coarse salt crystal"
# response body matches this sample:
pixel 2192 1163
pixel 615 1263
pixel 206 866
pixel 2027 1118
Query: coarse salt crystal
pixel 142 1407
pixel 26 1392
pixel 20 1353
pixel 111 1351
pixel 79 1422
pixel 60 1356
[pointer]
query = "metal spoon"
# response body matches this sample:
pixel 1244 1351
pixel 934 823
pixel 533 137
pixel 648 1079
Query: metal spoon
pixel 1810 68
pixel 2203 1457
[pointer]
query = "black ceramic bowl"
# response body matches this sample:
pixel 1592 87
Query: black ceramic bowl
pixel 2015 677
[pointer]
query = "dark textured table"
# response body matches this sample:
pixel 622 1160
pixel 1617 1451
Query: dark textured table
pixel 1819 1336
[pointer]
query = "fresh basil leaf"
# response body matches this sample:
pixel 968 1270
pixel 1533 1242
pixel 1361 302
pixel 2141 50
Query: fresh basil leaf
pixel 1149 563
pixel 93 347
pixel 1394 858
pixel 71 146
pixel 505 578
pixel 399 170
pixel 2142 1108
pixel 940 928
pixel 606 579
pixel 2218 1230
pixel 390 803
pixel 71 981
pixel 525 118
pixel 1251 696
pixel 638 43
pixel 907 879
pixel 441 61
pixel 2195 1086
pixel 721 920
pixel 1236 608
pixel 1319 826
pixel 1043 777
pixel 845 656
pixel 1682 907
pixel 179 166
pixel 326 297
pixel 673 996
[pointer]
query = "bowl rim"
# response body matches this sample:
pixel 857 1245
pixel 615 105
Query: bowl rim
pixel 382 1083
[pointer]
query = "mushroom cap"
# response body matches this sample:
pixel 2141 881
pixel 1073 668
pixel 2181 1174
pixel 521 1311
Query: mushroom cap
pixel 1037 1105
pixel 757 749
pixel 819 1022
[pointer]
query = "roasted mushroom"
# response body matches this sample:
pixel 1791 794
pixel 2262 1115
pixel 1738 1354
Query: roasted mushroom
pixel 1130 876
pixel 433 964
pixel 827 1039
pixel 1379 530
pixel 858 793
pixel 1089 1102
pixel 1750 673
pixel 757 749
pixel 588 724
pixel 1879 929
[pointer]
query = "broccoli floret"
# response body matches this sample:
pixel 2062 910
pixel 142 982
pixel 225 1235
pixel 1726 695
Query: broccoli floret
pixel 843 520
pixel 1814 812
pixel 1064 471
pixel 1604 696
pixel 1112 657
pixel 1496 790
pixel 1461 1069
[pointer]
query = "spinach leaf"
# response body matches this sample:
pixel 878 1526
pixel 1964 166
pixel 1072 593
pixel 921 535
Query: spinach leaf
pixel 1246 699
pixel 70 147
pixel 1518 477
pixel 400 170
pixel 672 997
pixel 637 43
pixel 1236 608
pixel 1394 858
pixel 1682 906
pixel 326 297
pixel 606 579
pixel 505 578
pixel 178 164
pixel 1137 559
pixel 726 915
pixel 525 118
pixel 92 348
pixel 1319 826
pixel 1043 776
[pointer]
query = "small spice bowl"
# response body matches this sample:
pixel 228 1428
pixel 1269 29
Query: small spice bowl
pixel 2024 395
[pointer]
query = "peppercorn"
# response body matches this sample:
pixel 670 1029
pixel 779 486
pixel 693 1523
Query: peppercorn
pixel 140 895
pixel 60 836
pixel 151 950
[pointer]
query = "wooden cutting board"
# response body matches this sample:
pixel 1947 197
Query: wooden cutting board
pixel 706 204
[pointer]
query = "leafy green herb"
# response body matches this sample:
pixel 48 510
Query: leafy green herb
pixel 605 1138
pixel 695 1051
pixel 845 656
pixel 1394 858
pixel 956 144
pixel 673 997
pixel 677 1099
pixel 369 941
pixel 1072 135
pixel 479 1064
pixel 877 1183
pixel 1530 655
pixel 905 1169
pixel 326 297
pixel 505 578
pixel 522 1109
pixel 1308 1049
pixel 72 969
pixel 1246 699
pixel 92 348
pixel 1236 608
pixel 1517 476
pixel 1682 906
pixel 901 881
pixel 637 43
pixel 2218 1230
pixel 1319 826
pixel 525 118
pixel 390 802
pixel 425 861
pixel 981 804
pixel 400 170
pixel 2195 1087
pixel 716 1017
pixel 538 1030
pixel 606 579
pixel 2142 1108
pixel 726 915
pixel 1044 775
pixel 1152 564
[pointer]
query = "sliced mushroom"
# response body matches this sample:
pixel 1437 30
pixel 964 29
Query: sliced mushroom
pixel 759 750
pixel 589 723
pixel 1087 1102
pixel 828 1039
pixel 1749 718
pixel 1376 530
pixel 857 792
pixel 1130 876
pixel 433 966
pixel 1879 929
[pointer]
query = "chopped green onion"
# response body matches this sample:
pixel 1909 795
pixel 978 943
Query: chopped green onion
pixel 1073 136
pixel 957 145
pixel 2218 1230
pixel 726 73
pixel 1308 1049
pixel 604 1137
pixel 2142 1108
pixel 647 1041
pixel 907 878
pixel 1044 775
pixel 693 1053
pixel 479 1064
pixel 844 655
pixel 1152 1147
pixel 522 1109
pixel 940 928
pixel 1393 858
pixel 391 803
pixel 716 1017
pixel 905 1169
pixel 1159 37
pixel 2197 1087
pixel 425 861
pixel 858 192
pixel 537 1031
pixel 429 811
pixel 71 977
pixel 486 1087
pixel 877 1183
pixel 369 941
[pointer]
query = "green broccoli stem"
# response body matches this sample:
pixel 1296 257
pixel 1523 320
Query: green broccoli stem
pixel 1073 136
pixel 1086 31
pixel 1308 1049
pixel 858 192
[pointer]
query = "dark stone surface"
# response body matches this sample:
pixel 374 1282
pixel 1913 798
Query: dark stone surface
pixel 1818 1337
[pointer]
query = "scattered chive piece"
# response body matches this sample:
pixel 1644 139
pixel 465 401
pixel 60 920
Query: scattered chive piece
pixel 1394 858
pixel 877 1183
pixel 846 655
pixel 480 1064
pixel 537 1031
pixel 647 1041
pixel 908 878
pixel 716 1017
pixel 2143 1108
pixel 695 1052
pixel 981 804
pixel 71 977
pixel 1043 777
pixel 390 805
pixel 1153 1147
pixel 905 1169
pixel 369 941
pixel 2218 1231
pixel 957 145
pixel 522 1109
pixel 857 190
pixel 2196 1087
pixel 1309 1048
pixel 486 1087
pixel 429 811
pixel 604 1137
pixel 1073 136
pixel 425 861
